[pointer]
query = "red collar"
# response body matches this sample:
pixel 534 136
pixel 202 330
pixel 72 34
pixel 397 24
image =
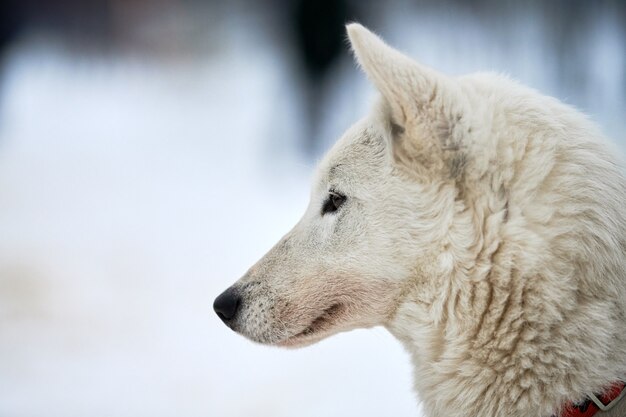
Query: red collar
pixel 592 404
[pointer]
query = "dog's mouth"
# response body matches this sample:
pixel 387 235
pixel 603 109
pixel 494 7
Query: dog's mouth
pixel 318 326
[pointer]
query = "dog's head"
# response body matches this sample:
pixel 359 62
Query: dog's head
pixel 381 205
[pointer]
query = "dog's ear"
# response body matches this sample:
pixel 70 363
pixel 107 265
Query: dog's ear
pixel 408 86
pixel 421 100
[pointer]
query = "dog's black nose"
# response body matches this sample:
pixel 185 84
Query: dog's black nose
pixel 227 303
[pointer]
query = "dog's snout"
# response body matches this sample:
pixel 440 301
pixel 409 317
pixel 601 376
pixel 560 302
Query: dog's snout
pixel 227 303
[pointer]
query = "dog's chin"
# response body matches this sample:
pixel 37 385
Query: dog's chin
pixel 328 322
pixel 324 325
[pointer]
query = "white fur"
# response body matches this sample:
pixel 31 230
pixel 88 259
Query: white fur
pixel 484 226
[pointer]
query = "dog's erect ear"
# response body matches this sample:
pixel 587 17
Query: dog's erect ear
pixel 419 97
pixel 407 85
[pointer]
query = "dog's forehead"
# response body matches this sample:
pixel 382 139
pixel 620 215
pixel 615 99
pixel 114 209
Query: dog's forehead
pixel 356 157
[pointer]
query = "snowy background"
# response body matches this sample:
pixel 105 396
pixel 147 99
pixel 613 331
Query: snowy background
pixel 143 172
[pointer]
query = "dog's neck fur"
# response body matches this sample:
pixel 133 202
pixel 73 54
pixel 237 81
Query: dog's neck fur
pixel 476 319
pixel 494 326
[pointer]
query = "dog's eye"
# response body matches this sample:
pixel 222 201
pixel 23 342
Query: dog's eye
pixel 333 202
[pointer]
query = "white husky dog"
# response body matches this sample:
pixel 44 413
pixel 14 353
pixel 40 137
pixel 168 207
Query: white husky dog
pixel 482 223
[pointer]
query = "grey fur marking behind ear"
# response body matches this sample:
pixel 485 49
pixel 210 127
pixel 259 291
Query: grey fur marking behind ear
pixel 457 165
pixel 396 129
